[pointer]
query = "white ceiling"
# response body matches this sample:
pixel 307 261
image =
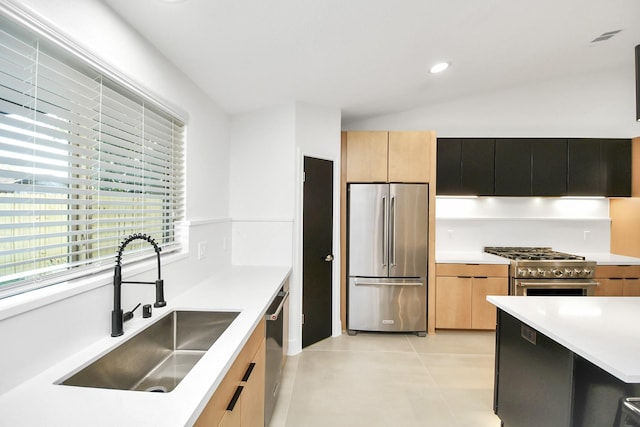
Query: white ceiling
pixel 372 57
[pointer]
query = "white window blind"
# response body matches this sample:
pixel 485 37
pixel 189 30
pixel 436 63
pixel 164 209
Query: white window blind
pixel 83 164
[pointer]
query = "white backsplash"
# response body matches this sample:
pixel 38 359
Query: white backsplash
pixel 565 224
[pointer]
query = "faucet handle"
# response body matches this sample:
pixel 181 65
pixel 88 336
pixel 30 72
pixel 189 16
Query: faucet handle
pixel 129 314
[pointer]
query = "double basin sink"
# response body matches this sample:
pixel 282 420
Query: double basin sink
pixel 157 358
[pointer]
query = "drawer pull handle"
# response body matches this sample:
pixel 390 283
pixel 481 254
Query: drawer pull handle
pixel 235 398
pixel 249 371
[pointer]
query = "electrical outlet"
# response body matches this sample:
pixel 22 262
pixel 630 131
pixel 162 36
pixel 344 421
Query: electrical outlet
pixel 202 250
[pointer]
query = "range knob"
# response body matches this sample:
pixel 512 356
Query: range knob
pixel 587 272
pixel 577 272
pixel 568 272
pixel 556 272
pixel 541 272
pixel 531 272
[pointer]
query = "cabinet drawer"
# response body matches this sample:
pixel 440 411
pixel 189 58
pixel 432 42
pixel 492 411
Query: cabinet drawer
pixel 472 270
pixel 213 413
pixel 618 271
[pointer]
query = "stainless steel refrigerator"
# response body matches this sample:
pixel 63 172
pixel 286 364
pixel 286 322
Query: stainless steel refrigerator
pixel 387 252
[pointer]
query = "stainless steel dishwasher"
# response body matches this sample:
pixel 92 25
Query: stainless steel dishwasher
pixel 276 328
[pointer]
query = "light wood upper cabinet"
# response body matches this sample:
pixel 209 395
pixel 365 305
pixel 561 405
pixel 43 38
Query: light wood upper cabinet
pixel 380 156
pixel 409 156
pixel 367 156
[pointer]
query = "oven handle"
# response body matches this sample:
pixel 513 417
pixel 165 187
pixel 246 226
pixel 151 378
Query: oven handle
pixel 556 284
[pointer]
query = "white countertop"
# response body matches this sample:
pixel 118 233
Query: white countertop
pixel 471 257
pixel 604 258
pixel 40 402
pixel 603 330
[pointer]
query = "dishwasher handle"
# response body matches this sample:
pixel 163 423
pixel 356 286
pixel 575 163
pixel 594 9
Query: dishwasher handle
pixel 276 314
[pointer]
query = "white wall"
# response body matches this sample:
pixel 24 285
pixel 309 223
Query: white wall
pixel 565 224
pixel 317 135
pixel 43 326
pixel 262 185
pixel 267 148
pixel 596 105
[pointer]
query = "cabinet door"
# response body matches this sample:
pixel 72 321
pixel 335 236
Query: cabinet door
pixel 611 287
pixel 252 406
pixel 584 175
pixel 483 313
pixel 409 156
pixel 449 166
pixel 534 377
pixel 478 166
pixel 513 167
pixel 631 287
pixel 232 417
pixel 616 166
pixel 549 167
pixel 367 156
pixel 453 302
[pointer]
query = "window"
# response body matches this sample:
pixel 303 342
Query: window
pixel 84 162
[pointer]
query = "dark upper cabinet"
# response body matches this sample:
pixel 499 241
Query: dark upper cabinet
pixel 465 166
pixel 513 167
pixel 531 167
pixel 615 167
pixel 584 174
pixel 449 166
pixel 549 167
pixel 478 166
pixel 534 167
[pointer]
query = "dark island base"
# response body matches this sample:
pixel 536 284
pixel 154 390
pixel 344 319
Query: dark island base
pixel 539 382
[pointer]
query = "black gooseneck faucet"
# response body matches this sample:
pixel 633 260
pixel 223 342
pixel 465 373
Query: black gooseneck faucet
pixel 117 316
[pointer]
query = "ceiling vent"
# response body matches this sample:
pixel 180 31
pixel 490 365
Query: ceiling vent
pixel 605 36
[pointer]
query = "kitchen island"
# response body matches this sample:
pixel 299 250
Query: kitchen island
pixel 565 361
pixel 41 402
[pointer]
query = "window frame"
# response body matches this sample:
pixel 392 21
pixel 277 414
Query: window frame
pixel 86 61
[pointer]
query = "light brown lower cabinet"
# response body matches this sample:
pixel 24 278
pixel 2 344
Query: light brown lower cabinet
pixel 618 280
pixel 461 295
pixel 239 399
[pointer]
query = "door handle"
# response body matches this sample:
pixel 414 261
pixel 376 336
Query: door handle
pixel 328 258
pixel 392 238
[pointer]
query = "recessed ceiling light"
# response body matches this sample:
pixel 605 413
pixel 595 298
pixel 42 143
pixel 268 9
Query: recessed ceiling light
pixel 440 67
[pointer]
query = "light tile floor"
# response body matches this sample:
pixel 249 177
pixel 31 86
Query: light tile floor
pixel 441 380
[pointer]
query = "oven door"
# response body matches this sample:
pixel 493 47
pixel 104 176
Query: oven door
pixel 551 287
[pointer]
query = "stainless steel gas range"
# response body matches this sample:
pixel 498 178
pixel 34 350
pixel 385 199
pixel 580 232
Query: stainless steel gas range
pixel 543 271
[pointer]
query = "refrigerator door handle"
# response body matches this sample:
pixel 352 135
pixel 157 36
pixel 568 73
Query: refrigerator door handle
pixel 359 281
pixel 385 231
pixel 392 237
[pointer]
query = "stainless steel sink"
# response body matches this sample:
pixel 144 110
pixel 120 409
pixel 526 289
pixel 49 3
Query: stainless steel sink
pixel 157 358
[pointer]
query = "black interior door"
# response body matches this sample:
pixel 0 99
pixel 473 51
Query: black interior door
pixel 317 257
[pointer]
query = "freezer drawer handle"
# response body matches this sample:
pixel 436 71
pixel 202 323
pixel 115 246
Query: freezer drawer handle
pixel 361 282
pixel 276 314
